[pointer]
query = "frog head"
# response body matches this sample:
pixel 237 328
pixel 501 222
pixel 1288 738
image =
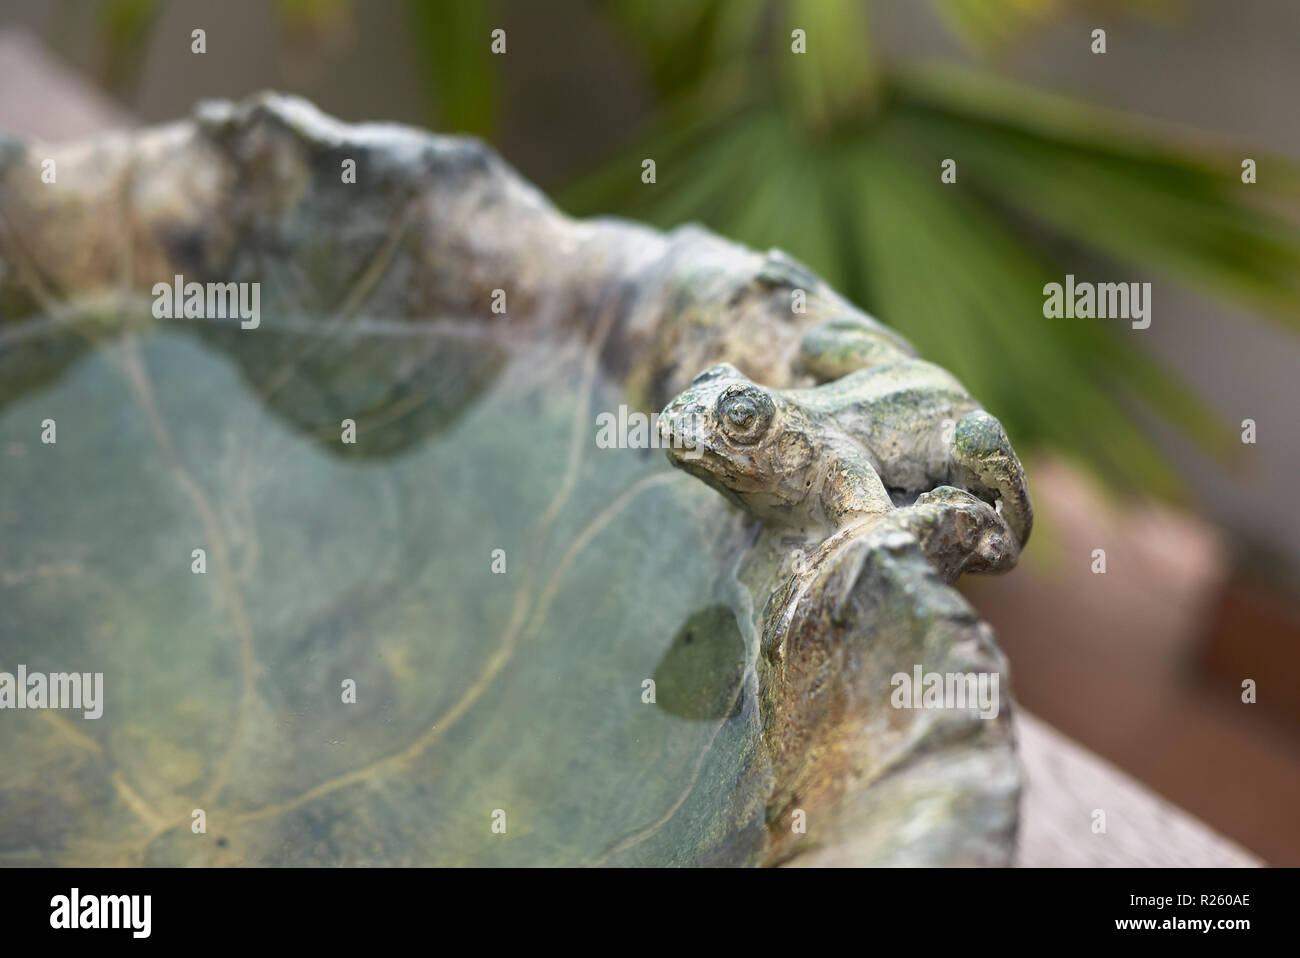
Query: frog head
pixel 752 444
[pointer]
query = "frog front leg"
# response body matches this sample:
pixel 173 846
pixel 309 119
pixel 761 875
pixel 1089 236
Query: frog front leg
pixel 851 490
pixel 836 347
pixel 988 467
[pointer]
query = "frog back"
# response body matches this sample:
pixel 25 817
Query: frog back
pixel 897 411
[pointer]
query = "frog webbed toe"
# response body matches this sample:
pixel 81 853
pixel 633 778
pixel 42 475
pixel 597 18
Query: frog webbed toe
pixel 988 467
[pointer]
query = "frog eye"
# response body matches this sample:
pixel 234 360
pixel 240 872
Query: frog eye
pixel 720 371
pixel 745 413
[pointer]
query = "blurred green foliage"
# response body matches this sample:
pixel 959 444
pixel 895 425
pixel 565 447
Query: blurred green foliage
pixel 455 59
pixel 124 26
pixel 836 157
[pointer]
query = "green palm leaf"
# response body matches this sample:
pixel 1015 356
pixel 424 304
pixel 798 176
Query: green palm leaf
pixel 795 152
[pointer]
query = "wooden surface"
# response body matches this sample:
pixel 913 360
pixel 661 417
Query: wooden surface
pixel 39 97
pixel 1118 663
pixel 1065 784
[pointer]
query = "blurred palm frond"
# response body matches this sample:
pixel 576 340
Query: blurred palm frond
pixel 762 151
pixel 453 47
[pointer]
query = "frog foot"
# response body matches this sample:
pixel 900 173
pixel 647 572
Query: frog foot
pixel 960 533
pixel 836 347
pixel 988 467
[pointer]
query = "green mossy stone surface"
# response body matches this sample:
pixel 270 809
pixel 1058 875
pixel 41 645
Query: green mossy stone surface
pixel 476 691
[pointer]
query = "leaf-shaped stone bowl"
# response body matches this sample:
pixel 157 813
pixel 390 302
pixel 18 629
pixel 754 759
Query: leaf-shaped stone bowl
pixel 360 578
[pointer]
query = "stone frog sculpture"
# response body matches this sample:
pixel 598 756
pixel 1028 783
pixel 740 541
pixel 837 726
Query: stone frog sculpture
pixel 891 431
